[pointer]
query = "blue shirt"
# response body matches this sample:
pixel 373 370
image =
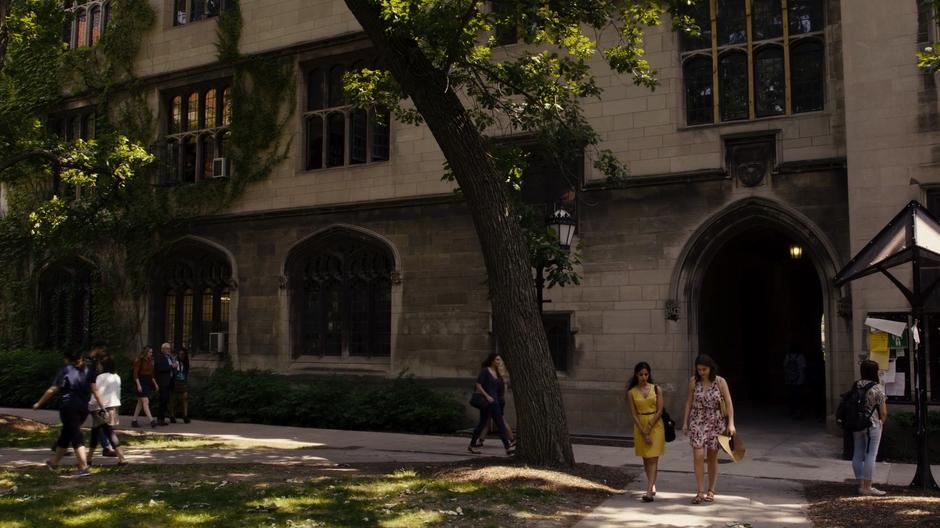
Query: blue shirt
pixel 75 386
pixel 491 384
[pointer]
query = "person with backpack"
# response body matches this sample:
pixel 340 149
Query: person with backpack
pixel 862 413
pixel 794 378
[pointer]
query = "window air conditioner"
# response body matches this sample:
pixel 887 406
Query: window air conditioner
pixel 220 168
pixel 218 342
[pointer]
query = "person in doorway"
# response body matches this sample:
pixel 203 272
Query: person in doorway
pixel 181 386
pixel 164 370
pixel 708 413
pixel 76 383
pixel 105 418
pixel 645 402
pixel 794 378
pixel 144 383
pixel 867 440
pixel 488 384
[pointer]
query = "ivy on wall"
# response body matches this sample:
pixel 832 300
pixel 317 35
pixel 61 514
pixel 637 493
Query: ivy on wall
pixel 119 220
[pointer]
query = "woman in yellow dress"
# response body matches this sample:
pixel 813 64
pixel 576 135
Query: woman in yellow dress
pixel 649 436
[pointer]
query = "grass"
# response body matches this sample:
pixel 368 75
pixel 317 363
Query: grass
pixel 293 496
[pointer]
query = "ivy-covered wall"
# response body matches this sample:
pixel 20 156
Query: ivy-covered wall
pixel 97 199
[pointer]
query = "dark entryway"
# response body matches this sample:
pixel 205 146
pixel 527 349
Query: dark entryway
pixel 759 298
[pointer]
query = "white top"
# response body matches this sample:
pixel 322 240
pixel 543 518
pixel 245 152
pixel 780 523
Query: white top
pixel 109 387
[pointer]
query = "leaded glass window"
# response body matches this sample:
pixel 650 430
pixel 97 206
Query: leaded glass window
pixel 66 293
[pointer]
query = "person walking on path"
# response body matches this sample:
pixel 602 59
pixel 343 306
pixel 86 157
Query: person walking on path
pixel 76 384
pixel 181 386
pixel 502 407
pixel 707 408
pixel 868 440
pixel 488 384
pixel 164 368
pixel 649 435
pixel 105 418
pixel 144 383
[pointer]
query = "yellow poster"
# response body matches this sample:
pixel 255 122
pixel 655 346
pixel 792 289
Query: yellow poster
pixel 878 347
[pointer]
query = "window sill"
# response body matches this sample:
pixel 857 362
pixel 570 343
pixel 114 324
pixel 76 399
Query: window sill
pixel 356 166
pixel 740 122
pixel 346 364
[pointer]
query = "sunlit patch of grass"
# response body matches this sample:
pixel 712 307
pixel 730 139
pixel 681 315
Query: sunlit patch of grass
pixel 191 518
pixel 411 518
pixel 88 518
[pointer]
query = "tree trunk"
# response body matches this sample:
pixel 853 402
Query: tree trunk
pixel 542 425
pixel 4 31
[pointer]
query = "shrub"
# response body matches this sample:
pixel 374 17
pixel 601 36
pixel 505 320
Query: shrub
pixel 898 443
pixel 25 374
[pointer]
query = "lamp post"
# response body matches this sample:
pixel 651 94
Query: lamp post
pixel 562 226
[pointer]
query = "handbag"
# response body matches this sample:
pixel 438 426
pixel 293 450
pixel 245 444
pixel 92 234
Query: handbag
pixel 478 400
pixel 669 425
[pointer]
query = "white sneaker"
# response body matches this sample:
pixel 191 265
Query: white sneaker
pixel 874 492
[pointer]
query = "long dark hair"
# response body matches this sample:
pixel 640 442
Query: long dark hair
pixel 634 381
pixel 706 361
pixel 869 370
pixel 490 358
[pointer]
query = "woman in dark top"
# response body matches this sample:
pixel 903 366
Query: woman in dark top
pixel 76 383
pixel 489 384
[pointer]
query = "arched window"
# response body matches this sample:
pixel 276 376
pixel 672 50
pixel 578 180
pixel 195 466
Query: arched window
pixel 358 136
pixel 341 296
pixel 171 167
pixel 210 108
pixel 176 115
pixel 207 151
pixel 192 111
pixel 226 107
pixel 222 140
pixel 81 32
pixel 66 292
pixel 107 17
pixel 336 97
pixel 187 170
pixel 197 281
pixel 67 31
pixel 766 19
pixel 699 104
pixel 180 14
pixel 731 22
pixel 314 142
pixel 806 76
pixel 732 86
pixel 336 139
pixel 805 16
pixel 315 89
pixel 769 84
pixel 94 24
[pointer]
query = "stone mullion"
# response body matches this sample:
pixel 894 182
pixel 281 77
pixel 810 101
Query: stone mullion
pixel 751 112
pixel 713 20
pixel 786 56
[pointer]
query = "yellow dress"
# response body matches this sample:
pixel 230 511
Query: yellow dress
pixel 646 408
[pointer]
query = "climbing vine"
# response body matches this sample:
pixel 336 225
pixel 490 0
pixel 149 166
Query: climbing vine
pixel 118 218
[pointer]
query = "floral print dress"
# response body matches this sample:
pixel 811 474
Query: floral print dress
pixel 706 421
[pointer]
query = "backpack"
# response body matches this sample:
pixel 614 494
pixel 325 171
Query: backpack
pixel 851 414
pixel 791 370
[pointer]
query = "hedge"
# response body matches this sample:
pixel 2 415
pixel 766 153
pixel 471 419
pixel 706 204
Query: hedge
pixel 403 404
pixel 897 440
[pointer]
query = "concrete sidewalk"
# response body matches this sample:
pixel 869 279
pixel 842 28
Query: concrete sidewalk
pixel 763 490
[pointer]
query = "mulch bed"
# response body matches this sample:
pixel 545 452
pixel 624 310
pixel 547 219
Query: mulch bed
pixel 19 424
pixel 836 505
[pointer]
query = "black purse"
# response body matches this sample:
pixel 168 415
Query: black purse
pixel 669 426
pixel 478 400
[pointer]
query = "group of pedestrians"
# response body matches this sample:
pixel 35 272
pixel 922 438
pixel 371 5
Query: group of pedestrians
pixel 89 385
pixel 168 374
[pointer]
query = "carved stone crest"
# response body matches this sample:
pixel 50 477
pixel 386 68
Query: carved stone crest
pixel 750 160
pixel 672 310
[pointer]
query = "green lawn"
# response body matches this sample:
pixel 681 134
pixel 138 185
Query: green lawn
pixel 257 495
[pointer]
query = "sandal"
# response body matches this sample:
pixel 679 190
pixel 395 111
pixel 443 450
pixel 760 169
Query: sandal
pixel 698 499
pixel 647 498
pixel 473 450
pixel 710 496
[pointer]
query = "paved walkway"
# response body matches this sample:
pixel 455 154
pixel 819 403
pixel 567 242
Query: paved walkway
pixel 762 490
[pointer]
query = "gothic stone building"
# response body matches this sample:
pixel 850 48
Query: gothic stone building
pixel 777 145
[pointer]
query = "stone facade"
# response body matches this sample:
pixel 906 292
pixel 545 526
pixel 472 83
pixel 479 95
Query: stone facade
pixel 833 178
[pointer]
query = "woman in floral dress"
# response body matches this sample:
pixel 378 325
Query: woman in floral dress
pixel 704 421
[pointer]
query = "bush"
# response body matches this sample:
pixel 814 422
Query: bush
pixel 898 443
pixel 404 404
pixel 25 374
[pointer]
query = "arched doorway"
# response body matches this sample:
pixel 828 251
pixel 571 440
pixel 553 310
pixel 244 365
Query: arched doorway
pixel 760 299
pixel 728 286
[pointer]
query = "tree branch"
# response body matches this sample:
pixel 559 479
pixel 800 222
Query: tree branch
pixel 47 155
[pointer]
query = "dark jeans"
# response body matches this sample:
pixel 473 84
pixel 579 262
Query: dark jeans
pixel 795 404
pixel 495 412
pixel 71 433
pixel 103 432
pixel 164 402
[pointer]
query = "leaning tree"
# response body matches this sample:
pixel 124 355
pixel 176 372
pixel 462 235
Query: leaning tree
pixel 441 64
